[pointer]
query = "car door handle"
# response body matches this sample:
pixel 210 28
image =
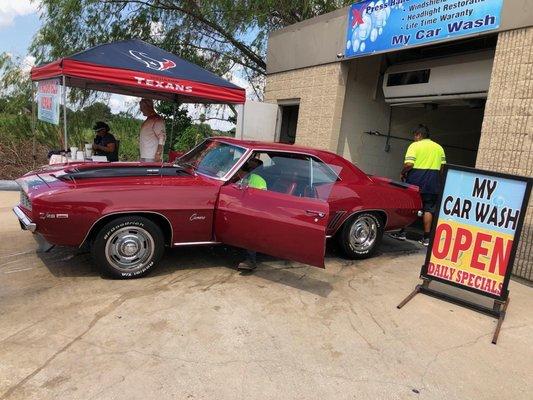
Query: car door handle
pixel 318 214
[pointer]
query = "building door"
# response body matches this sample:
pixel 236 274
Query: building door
pixel 289 122
pixel 257 121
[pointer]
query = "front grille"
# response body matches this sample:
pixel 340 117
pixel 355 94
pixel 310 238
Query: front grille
pixel 24 200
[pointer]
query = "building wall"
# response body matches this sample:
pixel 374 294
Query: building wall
pixel 506 143
pixel 320 92
pixel 340 101
pixel 311 42
pixel 365 110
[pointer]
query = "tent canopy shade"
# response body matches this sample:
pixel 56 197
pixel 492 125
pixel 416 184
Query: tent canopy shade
pixel 136 68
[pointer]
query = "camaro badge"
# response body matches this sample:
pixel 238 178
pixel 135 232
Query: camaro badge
pixel 196 217
pixel 52 216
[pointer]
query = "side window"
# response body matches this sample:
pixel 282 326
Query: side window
pixel 292 174
pixel 322 173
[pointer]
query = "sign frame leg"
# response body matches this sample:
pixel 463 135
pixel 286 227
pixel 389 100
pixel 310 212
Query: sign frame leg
pixel 418 289
pixel 501 308
pixel 498 309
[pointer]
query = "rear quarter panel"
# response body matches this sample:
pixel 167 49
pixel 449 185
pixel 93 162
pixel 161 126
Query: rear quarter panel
pixel 356 192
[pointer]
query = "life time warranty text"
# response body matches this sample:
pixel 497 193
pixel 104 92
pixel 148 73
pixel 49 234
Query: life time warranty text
pixel 455 27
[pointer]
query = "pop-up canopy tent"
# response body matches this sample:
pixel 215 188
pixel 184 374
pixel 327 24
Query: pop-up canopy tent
pixel 136 68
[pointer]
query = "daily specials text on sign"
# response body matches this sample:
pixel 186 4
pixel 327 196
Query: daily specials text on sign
pixel 384 25
pixel 48 99
pixel 477 230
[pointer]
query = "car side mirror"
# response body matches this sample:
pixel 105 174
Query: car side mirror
pixel 242 184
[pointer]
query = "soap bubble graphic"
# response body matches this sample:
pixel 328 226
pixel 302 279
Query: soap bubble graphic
pixel 365 27
pixel 379 16
pixel 369 25
pixel 355 45
pixel 373 35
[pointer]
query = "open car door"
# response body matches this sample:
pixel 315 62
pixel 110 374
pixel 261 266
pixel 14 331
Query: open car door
pixel 277 224
pixel 288 218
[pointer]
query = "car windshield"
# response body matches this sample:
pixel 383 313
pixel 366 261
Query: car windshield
pixel 212 158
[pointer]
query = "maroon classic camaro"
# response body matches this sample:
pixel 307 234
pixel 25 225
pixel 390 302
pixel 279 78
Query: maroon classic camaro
pixel 277 199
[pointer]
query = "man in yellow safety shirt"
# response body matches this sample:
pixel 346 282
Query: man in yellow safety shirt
pixel 423 167
pixel 255 181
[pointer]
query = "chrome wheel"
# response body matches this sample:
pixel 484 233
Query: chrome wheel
pixel 363 233
pixel 129 248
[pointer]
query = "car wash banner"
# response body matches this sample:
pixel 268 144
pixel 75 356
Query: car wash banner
pixel 476 234
pixel 48 101
pixel 386 25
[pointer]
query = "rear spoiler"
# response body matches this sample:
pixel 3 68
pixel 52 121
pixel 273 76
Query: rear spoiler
pixel 402 185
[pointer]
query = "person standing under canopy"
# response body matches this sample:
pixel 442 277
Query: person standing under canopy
pixel 104 143
pixel 153 133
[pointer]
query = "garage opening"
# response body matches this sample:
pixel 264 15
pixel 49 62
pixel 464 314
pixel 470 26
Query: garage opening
pixel 289 122
pixel 455 125
pixel 447 93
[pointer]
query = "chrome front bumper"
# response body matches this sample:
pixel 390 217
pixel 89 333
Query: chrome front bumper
pixel 26 223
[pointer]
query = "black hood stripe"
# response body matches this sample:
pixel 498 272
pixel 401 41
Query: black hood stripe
pixel 110 172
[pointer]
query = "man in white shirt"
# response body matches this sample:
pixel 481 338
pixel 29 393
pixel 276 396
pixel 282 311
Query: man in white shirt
pixel 153 134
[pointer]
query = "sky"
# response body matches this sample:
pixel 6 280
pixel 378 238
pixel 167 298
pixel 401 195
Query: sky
pixel 19 22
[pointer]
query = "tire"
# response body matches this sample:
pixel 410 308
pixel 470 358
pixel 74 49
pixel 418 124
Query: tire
pixel 128 247
pixel 361 236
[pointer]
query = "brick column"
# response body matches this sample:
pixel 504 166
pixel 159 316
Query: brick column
pixel 321 92
pixel 506 143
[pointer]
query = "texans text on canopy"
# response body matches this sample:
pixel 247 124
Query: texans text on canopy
pixel 136 68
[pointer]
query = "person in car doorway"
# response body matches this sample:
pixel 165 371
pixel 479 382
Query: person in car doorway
pixel 153 133
pixel 423 167
pixel 255 181
pixel 104 143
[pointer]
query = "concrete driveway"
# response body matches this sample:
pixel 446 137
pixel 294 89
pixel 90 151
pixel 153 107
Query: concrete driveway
pixel 197 329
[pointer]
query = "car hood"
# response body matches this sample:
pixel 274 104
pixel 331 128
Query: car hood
pixel 76 174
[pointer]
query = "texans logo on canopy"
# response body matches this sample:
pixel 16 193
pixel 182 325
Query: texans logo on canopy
pixel 152 63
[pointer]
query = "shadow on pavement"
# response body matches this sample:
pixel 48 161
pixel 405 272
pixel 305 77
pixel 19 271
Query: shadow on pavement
pixel 69 262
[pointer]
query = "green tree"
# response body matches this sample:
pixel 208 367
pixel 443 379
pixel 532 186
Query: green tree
pixel 217 34
pixel 191 136
pixel 15 85
pixel 177 121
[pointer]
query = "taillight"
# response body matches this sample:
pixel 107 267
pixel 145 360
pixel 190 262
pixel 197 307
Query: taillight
pixel 25 200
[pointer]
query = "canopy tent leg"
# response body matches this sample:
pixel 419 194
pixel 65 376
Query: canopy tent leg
pixel 65 114
pixel 174 108
pixel 33 124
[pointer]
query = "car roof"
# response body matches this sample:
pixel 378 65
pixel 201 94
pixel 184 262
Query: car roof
pixel 254 144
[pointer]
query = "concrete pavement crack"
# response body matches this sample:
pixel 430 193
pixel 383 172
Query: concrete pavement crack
pixel 439 353
pixel 97 317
